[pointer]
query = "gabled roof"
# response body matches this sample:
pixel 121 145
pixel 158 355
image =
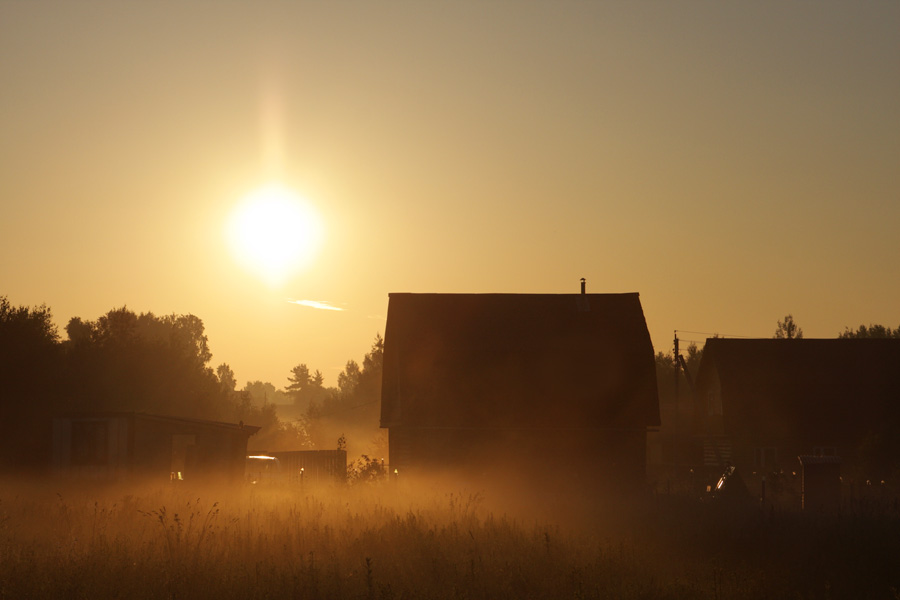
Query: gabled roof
pixel 518 360
pixel 830 386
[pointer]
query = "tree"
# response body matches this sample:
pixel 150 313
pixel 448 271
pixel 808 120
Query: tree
pixel 30 382
pixel 118 326
pixel 28 338
pixel 187 336
pixel 665 374
pixel 365 470
pixel 374 360
pixel 350 409
pixel 126 361
pixel 872 331
pixel 318 380
pixel 788 330
pixel 262 393
pixel 275 433
pixel 370 377
pixel 694 357
pixel 348 380
pixel 299 382
pixel 226 377
pixel 79 332
pixel 368 391
pixel 33 324
pixel 306 389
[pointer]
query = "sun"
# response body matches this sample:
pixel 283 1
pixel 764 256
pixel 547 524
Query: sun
pixel 274 233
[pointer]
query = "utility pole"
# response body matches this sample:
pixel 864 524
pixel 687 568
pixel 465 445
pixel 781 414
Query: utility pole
pixel 675 357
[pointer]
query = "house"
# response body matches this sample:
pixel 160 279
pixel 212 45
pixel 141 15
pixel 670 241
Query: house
pixel 761 403
pixel 118 445
pixel 536 386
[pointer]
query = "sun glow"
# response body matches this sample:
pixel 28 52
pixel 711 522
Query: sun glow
pixel 274 233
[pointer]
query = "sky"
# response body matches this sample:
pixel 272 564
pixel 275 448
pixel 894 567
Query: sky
pixel 731 162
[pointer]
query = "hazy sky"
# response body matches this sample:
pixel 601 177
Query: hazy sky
pixel 730 161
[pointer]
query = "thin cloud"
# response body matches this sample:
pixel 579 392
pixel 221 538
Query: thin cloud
pixel 315 304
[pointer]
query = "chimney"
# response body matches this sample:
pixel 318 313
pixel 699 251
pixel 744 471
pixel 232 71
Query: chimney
pixel 582 285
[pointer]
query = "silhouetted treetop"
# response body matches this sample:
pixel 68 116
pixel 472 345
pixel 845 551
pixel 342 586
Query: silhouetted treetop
pixel 183 334
pixel 788 330
pixel 369 387
pixel 348 379
pixel 262 393
pixel 299 380
pixel 35 324
pixel 28 348
pixel 872 331
pixel 30 374
pixel 126 361
pixel 225 375
pixel 304 387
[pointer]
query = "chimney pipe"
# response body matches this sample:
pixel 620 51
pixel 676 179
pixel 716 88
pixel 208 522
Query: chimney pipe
pixel 582 285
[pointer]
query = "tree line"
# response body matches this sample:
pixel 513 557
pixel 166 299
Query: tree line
pixel 129 362
pixel 124 361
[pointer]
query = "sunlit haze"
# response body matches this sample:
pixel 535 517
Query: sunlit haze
pixel 256 163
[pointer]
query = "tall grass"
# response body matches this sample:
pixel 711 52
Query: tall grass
pixel 390 541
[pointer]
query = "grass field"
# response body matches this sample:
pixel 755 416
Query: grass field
pixel 389 540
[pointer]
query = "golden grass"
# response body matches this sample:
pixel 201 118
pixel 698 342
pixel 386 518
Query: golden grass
pixel 389 541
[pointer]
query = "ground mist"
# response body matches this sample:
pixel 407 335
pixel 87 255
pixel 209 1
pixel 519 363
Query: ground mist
pixel 398 539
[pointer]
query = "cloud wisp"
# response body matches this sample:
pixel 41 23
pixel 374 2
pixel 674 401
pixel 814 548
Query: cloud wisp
pixel 315 304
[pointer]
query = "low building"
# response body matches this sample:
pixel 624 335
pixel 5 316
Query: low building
pixel 119 445
pixel 298 466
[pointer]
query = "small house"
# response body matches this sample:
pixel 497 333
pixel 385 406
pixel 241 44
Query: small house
pixel 540 387
pixel 761 403
pixel 118 445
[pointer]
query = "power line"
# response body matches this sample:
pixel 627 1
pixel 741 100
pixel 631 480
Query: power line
pixel 714 333
pixel 707 333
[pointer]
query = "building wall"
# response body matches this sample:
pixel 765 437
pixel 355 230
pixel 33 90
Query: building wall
pixel 319 466
pixel 112 447
pixel 201 453
pixel 595 458
pixel 710 405
pixel 92 447
pixel 759 443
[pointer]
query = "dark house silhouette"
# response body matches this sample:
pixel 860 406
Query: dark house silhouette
pixel 121 445
pixel 541 386
pixel 761 403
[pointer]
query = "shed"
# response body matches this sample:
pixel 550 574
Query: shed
pixel 307 466
pixel 117 445
pixel 534 385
